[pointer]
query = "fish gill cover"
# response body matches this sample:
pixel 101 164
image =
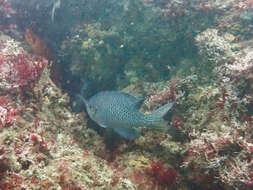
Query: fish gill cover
pixel 195 53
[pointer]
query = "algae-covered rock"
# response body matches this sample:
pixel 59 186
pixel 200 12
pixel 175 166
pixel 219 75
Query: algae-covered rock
pixel 213 47
pixel 196 53
pixel 129 48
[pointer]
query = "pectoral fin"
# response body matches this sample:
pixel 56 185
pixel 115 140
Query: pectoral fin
pixel 128 133
pixel 102 125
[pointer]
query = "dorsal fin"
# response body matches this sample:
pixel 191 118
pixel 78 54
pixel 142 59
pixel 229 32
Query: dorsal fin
pixel 156 117
pixel 132 100
pixel 160 112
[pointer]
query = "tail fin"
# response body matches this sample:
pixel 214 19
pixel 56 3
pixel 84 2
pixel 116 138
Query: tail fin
pixel 155 119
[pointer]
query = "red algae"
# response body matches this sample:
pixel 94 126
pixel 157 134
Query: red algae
pixel 8 113
pixel 162 177
pixel 167 178
pixel 71 187
pixel 178 122
pixel 39 142
pixel 141 180
pixel 20 70
pixel 2 150
pixel 13 182
pixel 167 94
pixel 4 164
pixel 24 68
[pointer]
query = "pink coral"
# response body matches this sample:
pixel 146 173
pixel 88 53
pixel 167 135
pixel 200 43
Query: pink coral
pixel 19 70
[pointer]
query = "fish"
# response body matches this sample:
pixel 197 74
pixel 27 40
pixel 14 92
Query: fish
pixel 119 111
pixel 56 5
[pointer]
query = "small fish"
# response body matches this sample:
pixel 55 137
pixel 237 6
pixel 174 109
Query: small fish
pixel 120 111
pixel 56 5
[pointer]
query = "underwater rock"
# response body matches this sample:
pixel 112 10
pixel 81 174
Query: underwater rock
pixel 38 46
pixel 129 48
pixel 213 48
pixel 46 138
pixel 136 47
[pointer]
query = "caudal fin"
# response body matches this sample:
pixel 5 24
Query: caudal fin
pixel 155 119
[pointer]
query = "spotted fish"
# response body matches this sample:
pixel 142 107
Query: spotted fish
pixel 120 111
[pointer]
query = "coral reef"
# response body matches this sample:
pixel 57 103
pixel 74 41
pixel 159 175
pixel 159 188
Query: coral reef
pixel 196 53
pixel 221 148
pixel 45 145
pixel 213 113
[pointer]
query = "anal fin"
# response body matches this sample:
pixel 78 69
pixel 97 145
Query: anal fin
pixel 128 133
